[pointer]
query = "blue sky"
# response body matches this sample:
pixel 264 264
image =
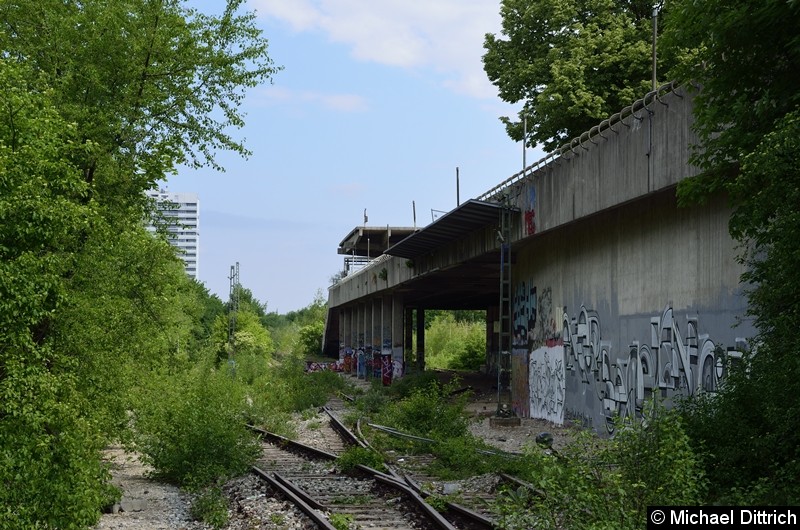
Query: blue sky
pixel 377 104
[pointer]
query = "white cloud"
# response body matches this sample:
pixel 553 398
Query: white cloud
pixel 443 35
pixel 338 102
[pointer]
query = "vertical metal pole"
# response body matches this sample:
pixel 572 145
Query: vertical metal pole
pixel 458 191
pixel 655 34
pixel 524 141
pixel 233 308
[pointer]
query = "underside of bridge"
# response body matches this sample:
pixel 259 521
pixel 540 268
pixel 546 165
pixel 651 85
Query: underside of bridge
pixel 469 284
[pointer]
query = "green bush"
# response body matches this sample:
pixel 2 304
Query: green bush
pixel 595 483
pixel 429 412
pixel 747 431
pixel 51 470
pixel 356 455
pixel 461 457
pixel 309 339
pixel 190 427
pixel 285 389
pixel 403 387
pixel 656 459
pixel 455 344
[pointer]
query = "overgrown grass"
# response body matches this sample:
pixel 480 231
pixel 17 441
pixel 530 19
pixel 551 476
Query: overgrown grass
pixel 429 411
pixel 592 483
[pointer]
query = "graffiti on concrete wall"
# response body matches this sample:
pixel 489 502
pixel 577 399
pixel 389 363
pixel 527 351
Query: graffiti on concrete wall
pixel 670 362
pixel 530 212
pixel 547 384
pixel 524 315
pixel 534 318
pixel 539 354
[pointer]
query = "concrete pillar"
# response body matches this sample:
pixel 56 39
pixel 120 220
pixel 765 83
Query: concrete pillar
pixel 386 324
pixel 354 328
pixel 362 325
pixel 366 324
pixel 397 336
pixel 408 338
pixel 376 312
pixel 344 329
pixel 420 339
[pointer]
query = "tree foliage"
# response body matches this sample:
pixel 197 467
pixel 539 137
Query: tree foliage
pixel 46 466
pixel 455 344
pixel 572 63
pixel 743 57
pixel 98 101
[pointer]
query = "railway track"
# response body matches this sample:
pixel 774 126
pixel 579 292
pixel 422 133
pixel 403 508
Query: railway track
pixel 467 502
pixel 309 477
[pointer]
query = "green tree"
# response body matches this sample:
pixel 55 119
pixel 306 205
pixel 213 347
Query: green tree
pixel 49 464
pixel 98 101
pixel 250 337
pixel 152 84
pixel 455 344
pixel 743 57
pixel 314 312
pixel 572 63
pixel 309 339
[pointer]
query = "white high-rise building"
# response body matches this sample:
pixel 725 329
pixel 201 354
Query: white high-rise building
pixel 182 212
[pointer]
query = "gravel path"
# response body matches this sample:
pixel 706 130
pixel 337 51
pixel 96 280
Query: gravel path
pixel 146 504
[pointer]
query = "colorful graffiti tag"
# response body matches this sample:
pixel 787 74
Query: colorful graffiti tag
pixel 671 358
pixel 534 323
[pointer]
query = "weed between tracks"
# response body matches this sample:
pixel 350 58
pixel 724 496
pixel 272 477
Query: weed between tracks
pixel 591 483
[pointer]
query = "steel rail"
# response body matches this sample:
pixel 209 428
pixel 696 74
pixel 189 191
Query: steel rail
pixel 400 434
pixel 472 515
pixel 280 440
pixel 429 510
pixel 320 520
pixel 348 435
pixel 310 506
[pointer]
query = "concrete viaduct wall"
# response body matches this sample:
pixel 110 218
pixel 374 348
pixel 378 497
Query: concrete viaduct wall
pixel 618 294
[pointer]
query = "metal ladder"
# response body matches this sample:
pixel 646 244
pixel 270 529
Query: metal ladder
pixel 504 408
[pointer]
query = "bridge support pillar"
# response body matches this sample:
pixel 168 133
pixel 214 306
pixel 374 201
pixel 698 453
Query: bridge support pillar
pixel 420 339
pixel 408 338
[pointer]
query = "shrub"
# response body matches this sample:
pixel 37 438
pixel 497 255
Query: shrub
pixel 309 339
pixel 596 483
pixel 455 344
pixel 51 472
pixel 190 428
pixel 356 455
pixel 428 411
pixel 656 459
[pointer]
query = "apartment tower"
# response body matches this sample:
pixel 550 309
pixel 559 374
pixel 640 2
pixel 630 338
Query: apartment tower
pixel 181 214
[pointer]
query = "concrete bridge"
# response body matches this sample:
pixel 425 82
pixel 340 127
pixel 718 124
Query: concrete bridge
pixel 599 290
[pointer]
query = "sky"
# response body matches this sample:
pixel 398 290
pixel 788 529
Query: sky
pixel 377 104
